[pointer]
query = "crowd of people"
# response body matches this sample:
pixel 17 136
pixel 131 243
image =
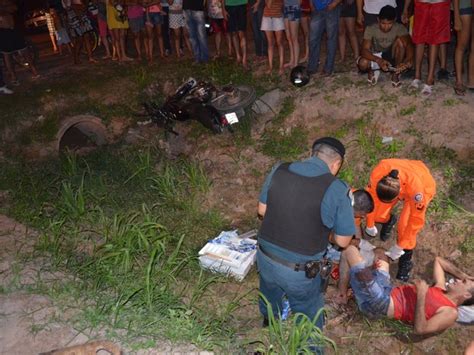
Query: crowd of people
pixel 384 35
pixel 307 213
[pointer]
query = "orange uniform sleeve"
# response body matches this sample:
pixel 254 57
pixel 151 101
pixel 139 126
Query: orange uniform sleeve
pixel 378 173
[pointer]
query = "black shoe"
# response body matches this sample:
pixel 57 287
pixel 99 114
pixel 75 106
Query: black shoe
pixel 404 269
pixel 386 230
pixel 442 74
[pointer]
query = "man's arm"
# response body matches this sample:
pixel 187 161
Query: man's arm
pixel 261 209
pixel 367 54
pixel 405 12
pixel 442 266
pixel 443 319
pixel 360 14
pixel 409 54
pixel 224 11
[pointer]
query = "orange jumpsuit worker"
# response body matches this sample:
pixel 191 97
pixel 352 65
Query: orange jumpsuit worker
pixel 411 182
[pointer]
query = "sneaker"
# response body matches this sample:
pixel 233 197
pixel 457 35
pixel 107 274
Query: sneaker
pixel 442 74
pixel 386 230
pixel 404 269
pixel 6 91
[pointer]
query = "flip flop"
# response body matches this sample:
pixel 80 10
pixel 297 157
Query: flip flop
pixel 459 90
pixel 427 90
pixel 396 80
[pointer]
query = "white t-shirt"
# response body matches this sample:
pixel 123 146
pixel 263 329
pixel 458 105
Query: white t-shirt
pixel 374 6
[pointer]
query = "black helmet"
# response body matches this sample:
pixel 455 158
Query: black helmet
pixel 299 76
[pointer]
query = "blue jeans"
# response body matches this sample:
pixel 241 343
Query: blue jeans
pixel 258 35
pixel 277 281
pixel 373 296
pixel 321 21
pixel 195 22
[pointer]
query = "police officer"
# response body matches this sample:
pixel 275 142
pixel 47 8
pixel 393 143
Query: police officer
pixel 304 206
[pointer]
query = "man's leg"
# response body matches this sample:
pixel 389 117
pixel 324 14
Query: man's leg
pixel 243 47
pixel 317 27
pixel 269 287
pixel 332 26
pixel 165 29
pixel 192 29
pixel 350 256
pixel 201 36
pixel 419 51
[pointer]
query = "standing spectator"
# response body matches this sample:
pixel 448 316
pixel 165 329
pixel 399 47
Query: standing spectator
pixel 178 25
pixel 324 18
pixel 12 42
pixel 195 20
pixel 136 21
pixel 292 15
pixel 154 22
pixel 236 13
pixel 165 27
pixel 347 29
pixel 368 10
pixel 219 26
pixel 62 37
pixel 462 25
pixel 432 27
pixel 79 28
pixel 259 37
pixel 305 20
pixel 103 29
pixel 274 25
pixel 118 25
pixel 51 28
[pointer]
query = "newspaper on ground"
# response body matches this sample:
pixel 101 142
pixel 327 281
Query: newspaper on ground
pixel 230 253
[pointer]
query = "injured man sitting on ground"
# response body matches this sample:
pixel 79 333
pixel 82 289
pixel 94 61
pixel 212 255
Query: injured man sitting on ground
pixel 428 309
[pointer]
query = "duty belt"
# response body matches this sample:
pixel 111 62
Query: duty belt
pixel 294 266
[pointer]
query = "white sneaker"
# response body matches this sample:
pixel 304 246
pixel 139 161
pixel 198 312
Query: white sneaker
pixel 6 91
pixel 416 83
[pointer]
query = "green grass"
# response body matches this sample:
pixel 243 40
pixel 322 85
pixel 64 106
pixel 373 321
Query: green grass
pixel 406 111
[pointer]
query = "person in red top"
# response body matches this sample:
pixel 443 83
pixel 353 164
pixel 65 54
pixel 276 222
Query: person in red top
pixel 428 309
pixel 394 180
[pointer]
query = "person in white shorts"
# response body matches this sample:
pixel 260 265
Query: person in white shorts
pixel 273 26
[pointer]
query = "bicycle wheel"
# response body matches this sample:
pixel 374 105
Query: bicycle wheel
pixel 234 98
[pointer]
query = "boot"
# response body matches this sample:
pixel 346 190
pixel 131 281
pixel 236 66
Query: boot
pixel 386 230
pixel 405 265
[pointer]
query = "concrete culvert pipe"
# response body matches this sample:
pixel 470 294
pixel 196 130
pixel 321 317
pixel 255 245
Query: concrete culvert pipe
pixel 78 132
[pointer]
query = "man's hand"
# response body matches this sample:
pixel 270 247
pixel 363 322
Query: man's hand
pixel 421 286
pixel 395 252
pixel 332 5
pixel 225 14
pixel 457 23
pixel 383 64
pixel 402 67
pixel 405 17
pixel 255 7
pixel 360 19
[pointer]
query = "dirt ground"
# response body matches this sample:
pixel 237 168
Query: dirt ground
pixel 30 323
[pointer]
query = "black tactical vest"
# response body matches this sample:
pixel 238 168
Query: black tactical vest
pixel 293 216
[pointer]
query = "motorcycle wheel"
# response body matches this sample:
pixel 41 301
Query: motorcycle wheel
pixel 226 103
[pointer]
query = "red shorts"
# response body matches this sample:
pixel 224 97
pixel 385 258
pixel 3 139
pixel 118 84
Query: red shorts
pixel 431 23
pixel 103 30
pixel 219 25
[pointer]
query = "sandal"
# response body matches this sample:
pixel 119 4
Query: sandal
pixel 459 90
pixel 373 77
pixel 427 90
pixel 396 80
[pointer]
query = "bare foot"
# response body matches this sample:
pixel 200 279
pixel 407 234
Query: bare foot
pixel 127 59
pixel 281 70
pixel 92 60
pixel 106 56
pixel 269 71
pixel 288 65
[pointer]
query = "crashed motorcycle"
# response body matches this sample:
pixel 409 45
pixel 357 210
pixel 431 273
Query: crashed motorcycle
pixel 216 109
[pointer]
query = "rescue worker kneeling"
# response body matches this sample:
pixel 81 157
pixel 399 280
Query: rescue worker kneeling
pixel 394 180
